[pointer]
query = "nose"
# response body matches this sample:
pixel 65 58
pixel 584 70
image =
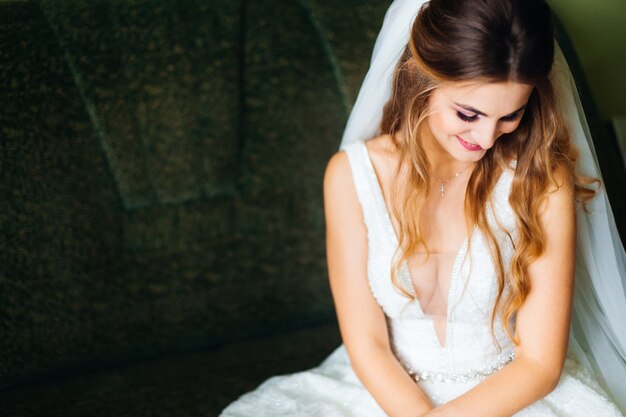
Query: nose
pixel 486 134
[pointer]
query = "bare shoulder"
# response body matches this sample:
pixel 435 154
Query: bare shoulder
pixel 346 238
pixel 340 196
pixel 382 147
pixel 338 174
pixel 563 178
pixel 558 213
pixel 561 196
pixel 383 154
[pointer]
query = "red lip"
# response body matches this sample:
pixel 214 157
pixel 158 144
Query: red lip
pixel 468 146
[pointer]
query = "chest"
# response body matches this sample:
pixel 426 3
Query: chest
pixel 466 273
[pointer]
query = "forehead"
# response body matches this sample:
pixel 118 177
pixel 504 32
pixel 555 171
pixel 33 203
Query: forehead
pixel 492 98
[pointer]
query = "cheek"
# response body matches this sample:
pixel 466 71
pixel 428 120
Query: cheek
pixel 448 125
pixel 457 126
pixel 443 126
pixel 509 127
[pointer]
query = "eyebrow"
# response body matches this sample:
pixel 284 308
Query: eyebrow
pixel 473 110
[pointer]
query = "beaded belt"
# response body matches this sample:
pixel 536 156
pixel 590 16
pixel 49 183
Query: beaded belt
pixel 471 375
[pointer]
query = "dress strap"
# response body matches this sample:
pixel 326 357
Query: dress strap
pixel 367 187
pixel 379 229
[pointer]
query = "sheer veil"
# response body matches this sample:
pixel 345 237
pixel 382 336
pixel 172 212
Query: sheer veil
pixel 598 337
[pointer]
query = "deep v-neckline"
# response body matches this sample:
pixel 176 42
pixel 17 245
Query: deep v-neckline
pixel 405 273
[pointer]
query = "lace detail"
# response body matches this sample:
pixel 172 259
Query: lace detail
pixel 473 374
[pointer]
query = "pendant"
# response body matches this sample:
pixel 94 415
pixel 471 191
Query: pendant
pixel 442 188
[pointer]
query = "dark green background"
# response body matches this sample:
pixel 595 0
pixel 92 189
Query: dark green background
pixel 161 177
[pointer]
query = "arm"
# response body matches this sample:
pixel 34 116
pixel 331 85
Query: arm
pixel 542 322
pixel 361 320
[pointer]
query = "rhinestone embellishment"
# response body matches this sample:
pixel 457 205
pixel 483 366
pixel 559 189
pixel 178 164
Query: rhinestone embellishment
pixel 471 375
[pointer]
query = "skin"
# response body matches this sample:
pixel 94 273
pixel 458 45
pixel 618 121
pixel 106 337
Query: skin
pixel 501 104
pixel 542 322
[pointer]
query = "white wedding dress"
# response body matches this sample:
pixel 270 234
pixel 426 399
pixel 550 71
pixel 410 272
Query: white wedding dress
pixel 469 353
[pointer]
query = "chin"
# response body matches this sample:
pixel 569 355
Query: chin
pixel 463 155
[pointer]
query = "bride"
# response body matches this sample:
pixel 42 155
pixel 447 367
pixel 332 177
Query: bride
pixel 473 260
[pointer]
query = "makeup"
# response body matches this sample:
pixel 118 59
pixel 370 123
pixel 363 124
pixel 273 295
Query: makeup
pixel 468 146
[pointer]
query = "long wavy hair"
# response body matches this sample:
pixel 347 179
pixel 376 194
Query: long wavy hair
pixel 491 41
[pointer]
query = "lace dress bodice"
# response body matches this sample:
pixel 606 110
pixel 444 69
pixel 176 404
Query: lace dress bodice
pixel 470 351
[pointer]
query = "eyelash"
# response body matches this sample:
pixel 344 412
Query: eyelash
pixel 466 118
pixel 473 118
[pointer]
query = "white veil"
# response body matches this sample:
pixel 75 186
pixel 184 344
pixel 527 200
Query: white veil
pixel 598 337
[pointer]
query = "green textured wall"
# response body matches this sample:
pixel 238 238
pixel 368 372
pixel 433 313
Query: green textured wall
pixel 597 30
pixel 161 172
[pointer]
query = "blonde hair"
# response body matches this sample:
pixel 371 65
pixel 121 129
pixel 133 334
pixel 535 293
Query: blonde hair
pixel 541 144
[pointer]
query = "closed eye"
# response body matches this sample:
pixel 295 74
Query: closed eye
pixel 466 118
pixel 512 117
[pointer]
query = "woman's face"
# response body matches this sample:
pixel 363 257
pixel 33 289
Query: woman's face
pixel 467 118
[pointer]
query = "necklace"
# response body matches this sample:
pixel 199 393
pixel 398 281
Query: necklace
pixel 443 182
